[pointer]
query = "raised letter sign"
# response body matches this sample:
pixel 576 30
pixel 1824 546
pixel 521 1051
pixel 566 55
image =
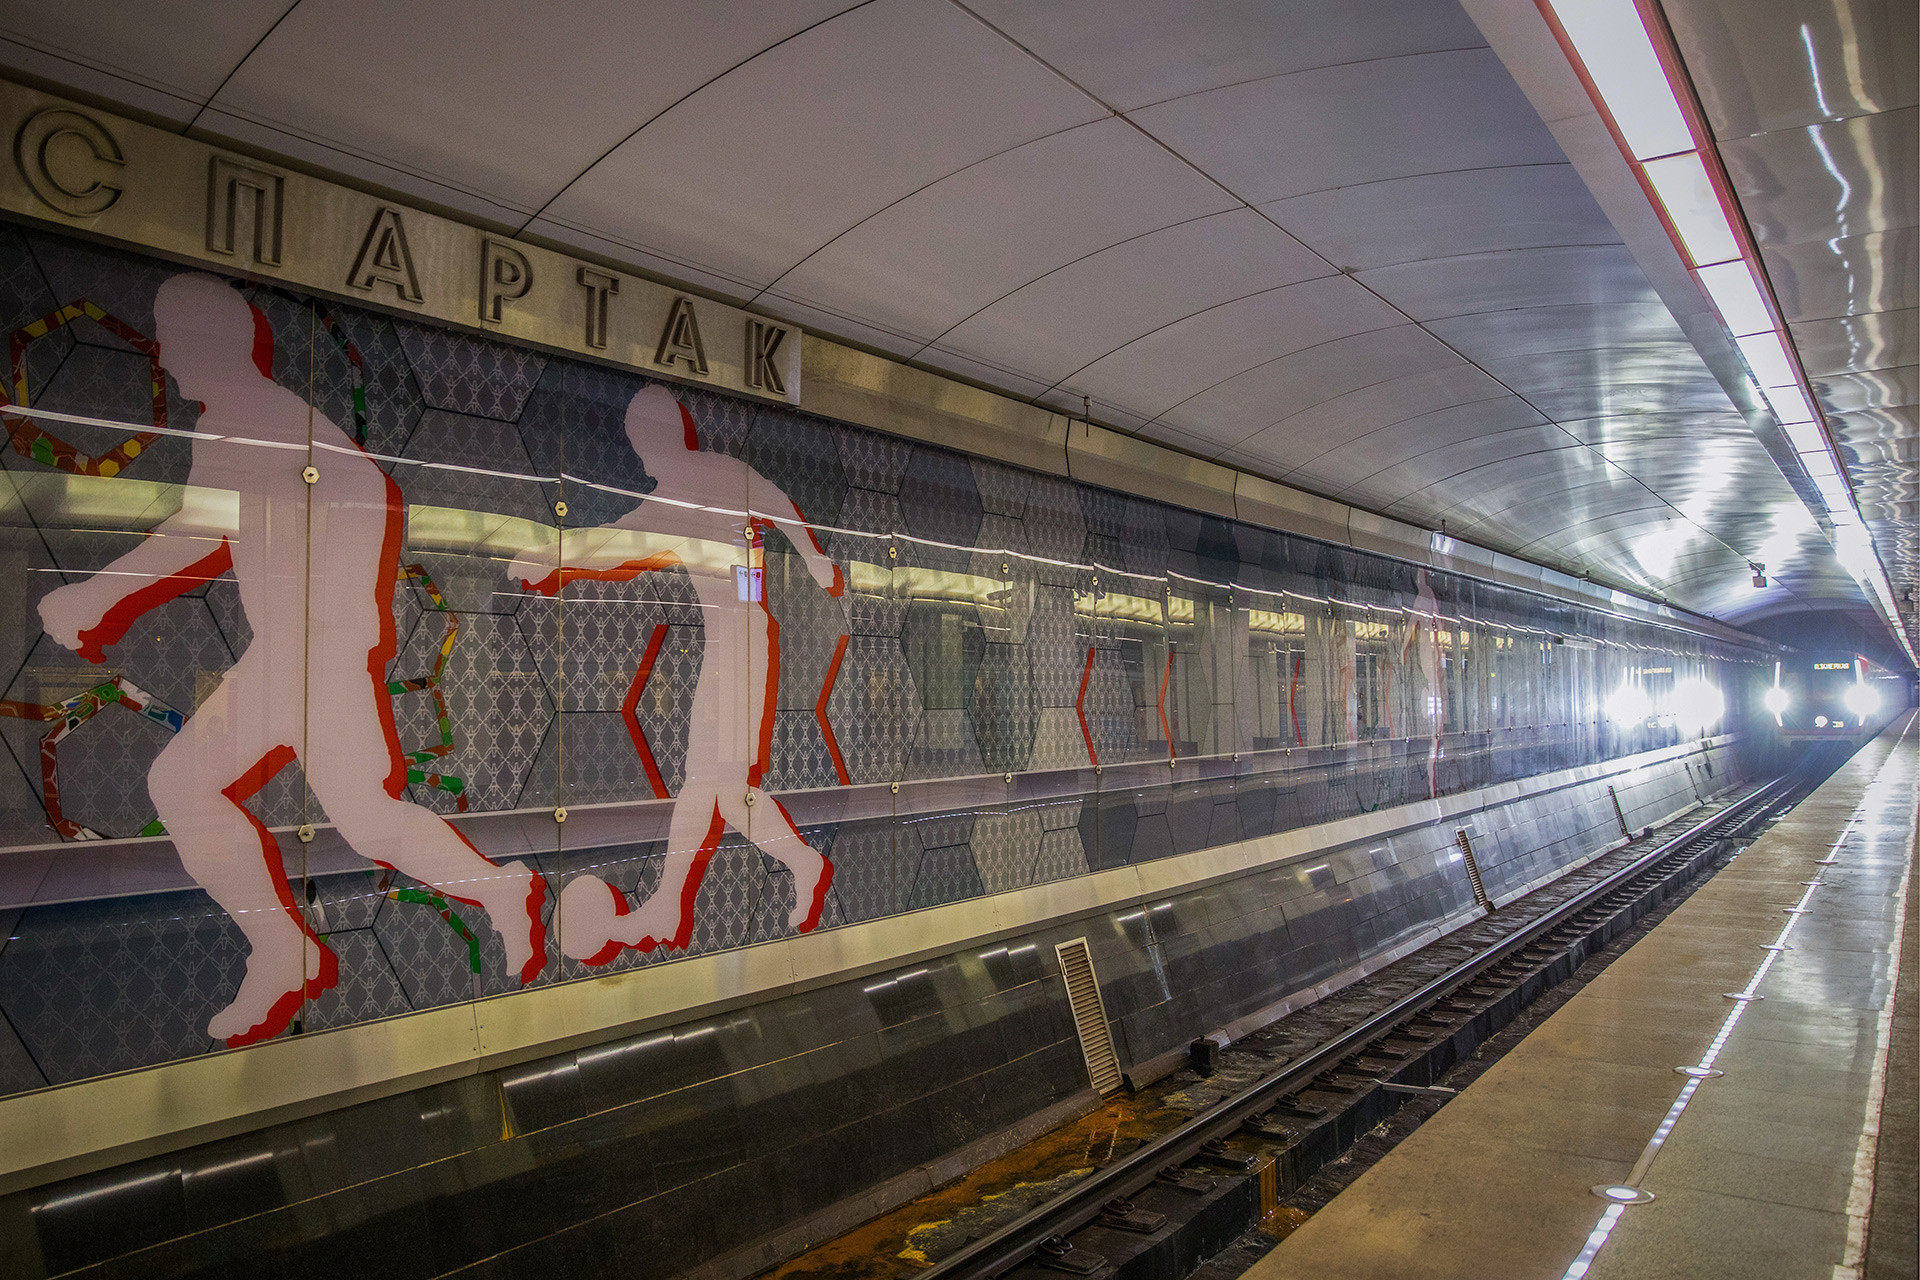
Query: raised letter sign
pixel 598 286
pixel 385 259
pixel 680 339
pixel 505 274
pixel 227 180
pixel 763 343
pixel 36 138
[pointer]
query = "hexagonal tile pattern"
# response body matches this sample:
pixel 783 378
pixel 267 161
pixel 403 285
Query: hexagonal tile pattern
pixel 468 375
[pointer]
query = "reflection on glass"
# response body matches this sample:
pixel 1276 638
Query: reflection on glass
pixel 782 674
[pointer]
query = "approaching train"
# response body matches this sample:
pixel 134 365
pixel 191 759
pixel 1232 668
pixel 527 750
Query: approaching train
pixel 1823 697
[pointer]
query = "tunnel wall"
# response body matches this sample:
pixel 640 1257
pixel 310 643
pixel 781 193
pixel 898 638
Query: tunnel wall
pixel 1022 679
pixel 728 1140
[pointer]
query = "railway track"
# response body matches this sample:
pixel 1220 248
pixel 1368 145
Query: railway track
pixel 1398 1037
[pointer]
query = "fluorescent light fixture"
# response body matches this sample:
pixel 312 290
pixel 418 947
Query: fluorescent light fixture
pixel 1620 60
pixel 1731 286
pixel 1819 464
pixel 1767 357
pixel 1834 490
pixel 1843 517
pixel 1789 404
pixel 1805 436
pixel 1684 188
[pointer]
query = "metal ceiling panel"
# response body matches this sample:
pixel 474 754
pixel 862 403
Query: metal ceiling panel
pixel 1844 176
pixel 165 56
pixel 1345 380
pixel 1767 65
pixel 1493 336
pixel 817 134
pixel 1401 407
pixel 1846 276
pixel 1170 365
pixel 1355 465
pixel 1472 283
pixel 1356 122
pixel 1071 316
pixel 1440 215
pixel 1135 52
pixel 466 93
pixel 1849 344
pixel 928 261
pixel 1390 486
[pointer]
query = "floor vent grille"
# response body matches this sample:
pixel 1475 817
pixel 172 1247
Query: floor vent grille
pixel 1461 838
pixel 1089 1015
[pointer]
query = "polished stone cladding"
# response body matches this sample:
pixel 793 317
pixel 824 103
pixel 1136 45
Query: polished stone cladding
pixel 728 1141
pixel 1025 679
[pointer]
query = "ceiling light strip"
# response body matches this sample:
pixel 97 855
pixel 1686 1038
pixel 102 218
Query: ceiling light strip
pixel 1627 60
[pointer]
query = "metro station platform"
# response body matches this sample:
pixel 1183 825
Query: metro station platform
pixel 1767 1166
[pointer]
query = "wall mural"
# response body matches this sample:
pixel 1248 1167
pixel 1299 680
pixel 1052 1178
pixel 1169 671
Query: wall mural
pixel 355 666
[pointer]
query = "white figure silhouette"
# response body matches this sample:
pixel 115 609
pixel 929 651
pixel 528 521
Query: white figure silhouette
pixel 706 515
pixel 248 508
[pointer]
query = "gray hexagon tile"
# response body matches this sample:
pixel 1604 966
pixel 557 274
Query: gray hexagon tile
pixel 468 375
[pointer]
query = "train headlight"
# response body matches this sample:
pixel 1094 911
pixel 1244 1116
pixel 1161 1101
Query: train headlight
pixel 1697 705
pixel 1629 705
pixel 1862 700
pixel 1776 700
pixel 1819 722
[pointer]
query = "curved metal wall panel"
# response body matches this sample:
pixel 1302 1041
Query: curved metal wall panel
pixel 544 671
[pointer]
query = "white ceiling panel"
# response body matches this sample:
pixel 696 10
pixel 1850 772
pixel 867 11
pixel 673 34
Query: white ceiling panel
pixel 1392 485
pixel 1391 444
pixel 1847 275
pixel 1879 340
pixel 1440 215
pixel 1473 283
pixel 1330 382
pixel 1172 364
pixel 1334 424
pixel 1071 316
pixel 929 261
pixel 494 96
pixel 1135 52
pixel 1360 122
pixel 1498 335
pixel 1635 430
pixel 170 54
pixel 817 134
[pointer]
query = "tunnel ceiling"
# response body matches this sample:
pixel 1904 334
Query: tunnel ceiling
pixel 1331 242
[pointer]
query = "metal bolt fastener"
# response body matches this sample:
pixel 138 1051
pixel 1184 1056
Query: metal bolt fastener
pixel 310 474
pixel 560 813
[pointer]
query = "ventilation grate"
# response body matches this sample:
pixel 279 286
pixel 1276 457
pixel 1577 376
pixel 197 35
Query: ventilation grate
pixel 1465 842
pixel 1089 1015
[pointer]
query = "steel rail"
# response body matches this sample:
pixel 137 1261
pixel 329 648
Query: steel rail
pixel 1016 1242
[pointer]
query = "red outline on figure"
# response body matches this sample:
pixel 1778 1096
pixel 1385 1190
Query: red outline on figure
pixel 820 887
pixel 238 792
pixel 630 712
pixel 1293 712
pixel 1080 708
pixel 820 712
pixel 691 889
pixel 1165 677
pixel 551 584
pixel 118 620
pixel 770 694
